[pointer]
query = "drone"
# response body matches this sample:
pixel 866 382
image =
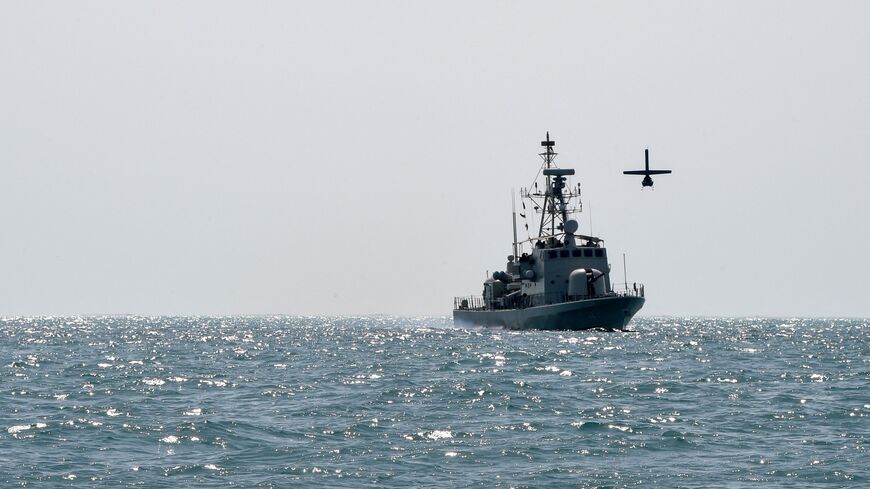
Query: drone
pixel 647 180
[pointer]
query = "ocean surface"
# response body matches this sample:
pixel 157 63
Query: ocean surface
pixel 417 402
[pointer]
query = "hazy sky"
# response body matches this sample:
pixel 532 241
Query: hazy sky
pixel 357 157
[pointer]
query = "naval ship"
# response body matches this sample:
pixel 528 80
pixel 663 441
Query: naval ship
pixel 563 281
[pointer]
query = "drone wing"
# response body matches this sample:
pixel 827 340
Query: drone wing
pixel 646 172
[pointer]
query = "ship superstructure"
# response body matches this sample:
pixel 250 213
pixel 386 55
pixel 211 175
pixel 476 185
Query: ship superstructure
pixel 563 280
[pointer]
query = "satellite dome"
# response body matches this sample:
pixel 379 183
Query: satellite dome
pixel 571 226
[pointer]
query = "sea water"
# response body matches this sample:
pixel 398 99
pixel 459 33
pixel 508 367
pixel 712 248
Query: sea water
pixel 418 402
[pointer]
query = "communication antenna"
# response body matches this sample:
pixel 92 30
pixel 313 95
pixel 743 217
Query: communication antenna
pixel 589 203
pixel 514 212
pixel 624 272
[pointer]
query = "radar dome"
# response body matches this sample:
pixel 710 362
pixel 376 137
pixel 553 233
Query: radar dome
pixel 571 226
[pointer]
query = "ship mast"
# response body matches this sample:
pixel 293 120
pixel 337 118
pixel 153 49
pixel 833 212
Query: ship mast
pixel 548 155
pixel 556 205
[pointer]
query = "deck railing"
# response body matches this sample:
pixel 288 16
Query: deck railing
pixel 630 290
pixel 476 302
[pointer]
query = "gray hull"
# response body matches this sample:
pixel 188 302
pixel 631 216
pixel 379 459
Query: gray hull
pixel 612 313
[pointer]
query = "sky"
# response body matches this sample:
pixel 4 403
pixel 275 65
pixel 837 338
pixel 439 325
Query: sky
pixel 344 157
